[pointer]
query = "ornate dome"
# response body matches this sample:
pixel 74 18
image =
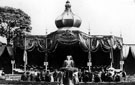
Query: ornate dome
pixel 68 18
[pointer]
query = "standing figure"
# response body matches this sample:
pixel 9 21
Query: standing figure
pixel 69 62
pixel 69 69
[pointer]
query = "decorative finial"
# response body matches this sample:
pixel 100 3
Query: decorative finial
pixel 46 31
pixel 120 33
pixel 67 5
pixel 67 1
pixel 111 32
pixel 89 30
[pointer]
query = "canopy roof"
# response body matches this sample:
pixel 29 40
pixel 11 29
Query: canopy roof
pixel 49 42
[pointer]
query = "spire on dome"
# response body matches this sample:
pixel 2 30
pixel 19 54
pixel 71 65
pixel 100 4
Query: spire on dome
pixel 67 19
pixel 67 5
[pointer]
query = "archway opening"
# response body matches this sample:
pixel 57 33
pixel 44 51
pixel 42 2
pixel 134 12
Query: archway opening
pixel 100 58
pixel 5 61
pixel 56 59
pixel 36 58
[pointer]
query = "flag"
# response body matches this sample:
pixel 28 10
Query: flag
pixel 25 57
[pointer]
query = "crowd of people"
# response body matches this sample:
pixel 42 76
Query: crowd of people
pixel 105 75
pixel 75 75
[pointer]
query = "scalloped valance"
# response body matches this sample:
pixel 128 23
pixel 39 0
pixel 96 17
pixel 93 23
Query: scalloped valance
pixel 68 37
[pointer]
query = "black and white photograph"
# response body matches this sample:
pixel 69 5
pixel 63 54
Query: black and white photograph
pixel 67 42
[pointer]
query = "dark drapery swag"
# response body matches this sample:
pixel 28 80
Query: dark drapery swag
pixel 49 43
pixel 129 63
pixel 9 49
pixel 6 55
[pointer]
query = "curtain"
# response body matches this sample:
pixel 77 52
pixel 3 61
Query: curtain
pixel 133 50
pixel 125 51
pixel 33 42
pixel 2 48
pixel 67 37
pixel 84 43
pixel 10 50
pixel 113 42
pixel 29 43
pixel 53 47
pixel 41 45
pixel 119 43
pixel 94 44
pixel 106 42
pixel 52 42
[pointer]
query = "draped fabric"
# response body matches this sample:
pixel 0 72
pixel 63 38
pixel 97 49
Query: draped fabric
pixel 118 42
pixel 84 42
pixel 8 48
pixel 113 42
pixel 2 48
pixel 129 63
pixel 49 43
pixel 125 51
pixel 94 44
pixel 10 51
pixel 30 43
pixel 106 42
pixel 133 50
pixel 67 37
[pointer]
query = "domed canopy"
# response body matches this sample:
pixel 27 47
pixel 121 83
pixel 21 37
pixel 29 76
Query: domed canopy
pixel 68 18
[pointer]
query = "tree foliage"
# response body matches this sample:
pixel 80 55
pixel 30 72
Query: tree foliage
pixel 13 22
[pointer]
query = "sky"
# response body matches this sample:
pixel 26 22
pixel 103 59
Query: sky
pixel 102 17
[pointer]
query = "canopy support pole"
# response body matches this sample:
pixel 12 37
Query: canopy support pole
pixel 89 64
pixel 121 56
pixel 111 55
pixel 25 56
pixel 46 52
pixel 13 63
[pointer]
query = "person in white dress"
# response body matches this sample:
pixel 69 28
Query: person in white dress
pixel 69 62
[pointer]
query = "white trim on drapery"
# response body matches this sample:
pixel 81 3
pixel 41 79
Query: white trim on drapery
pixel 133 51
pixel 125 51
